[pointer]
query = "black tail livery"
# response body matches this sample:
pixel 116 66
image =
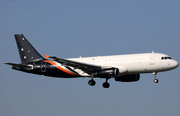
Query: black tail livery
pixel 26 51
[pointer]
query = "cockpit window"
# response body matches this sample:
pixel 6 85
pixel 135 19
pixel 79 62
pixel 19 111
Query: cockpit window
pixel 169 58
pixel 165 58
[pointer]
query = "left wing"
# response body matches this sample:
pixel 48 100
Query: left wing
pixel 87 68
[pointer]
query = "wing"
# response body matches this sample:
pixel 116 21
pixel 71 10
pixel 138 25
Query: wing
pixel 87 68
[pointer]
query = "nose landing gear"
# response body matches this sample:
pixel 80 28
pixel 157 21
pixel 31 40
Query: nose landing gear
pixel 156 80
pixel 155 75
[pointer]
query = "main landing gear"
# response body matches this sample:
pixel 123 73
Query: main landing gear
pixel 155 75
pixel 91 82
pixel 105 84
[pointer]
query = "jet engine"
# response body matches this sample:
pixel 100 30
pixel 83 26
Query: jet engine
pixel 128 78
pixel 107 73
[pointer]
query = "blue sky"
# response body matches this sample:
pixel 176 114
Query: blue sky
pixel 72 28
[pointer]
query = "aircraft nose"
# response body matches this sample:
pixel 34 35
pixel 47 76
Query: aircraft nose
pixel 175 64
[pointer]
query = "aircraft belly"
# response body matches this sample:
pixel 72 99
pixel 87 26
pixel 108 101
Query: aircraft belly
pixel 59 73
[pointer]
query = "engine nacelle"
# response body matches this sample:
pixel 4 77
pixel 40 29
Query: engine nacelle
pixel 128 78
pixel 107 73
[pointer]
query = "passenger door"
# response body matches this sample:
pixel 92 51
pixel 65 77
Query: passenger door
pixel 152 59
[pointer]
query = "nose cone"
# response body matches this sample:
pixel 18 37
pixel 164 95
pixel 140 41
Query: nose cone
pixel 175 64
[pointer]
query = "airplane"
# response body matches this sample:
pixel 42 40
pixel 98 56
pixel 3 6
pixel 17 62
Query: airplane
pixel 123 68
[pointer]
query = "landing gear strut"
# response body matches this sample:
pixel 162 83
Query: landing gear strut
pixel 155 75
pixel 92 82
pixel 106 84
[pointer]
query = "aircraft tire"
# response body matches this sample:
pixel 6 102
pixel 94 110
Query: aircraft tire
pixel 106 85
pixel 156 80
pixel 91 82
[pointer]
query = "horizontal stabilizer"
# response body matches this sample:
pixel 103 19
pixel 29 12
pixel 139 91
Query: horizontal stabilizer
pixel 19 65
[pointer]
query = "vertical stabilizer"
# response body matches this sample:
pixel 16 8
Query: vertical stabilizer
pixel 26 51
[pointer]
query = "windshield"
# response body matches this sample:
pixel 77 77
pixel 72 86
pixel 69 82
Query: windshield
pixel 165 58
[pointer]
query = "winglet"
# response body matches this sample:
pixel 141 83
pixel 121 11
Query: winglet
pixel 46 56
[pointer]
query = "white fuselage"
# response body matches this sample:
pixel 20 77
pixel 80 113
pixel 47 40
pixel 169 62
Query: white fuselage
pixel 132 63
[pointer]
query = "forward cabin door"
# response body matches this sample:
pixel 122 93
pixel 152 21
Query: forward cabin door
pixel 152 59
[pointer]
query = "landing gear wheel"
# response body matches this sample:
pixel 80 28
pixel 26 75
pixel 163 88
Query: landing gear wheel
pixel 156 80
pixel 155 75
pixel 106 85
pixel 91 82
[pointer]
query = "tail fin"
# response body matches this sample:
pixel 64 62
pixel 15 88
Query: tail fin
pixel 26 51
